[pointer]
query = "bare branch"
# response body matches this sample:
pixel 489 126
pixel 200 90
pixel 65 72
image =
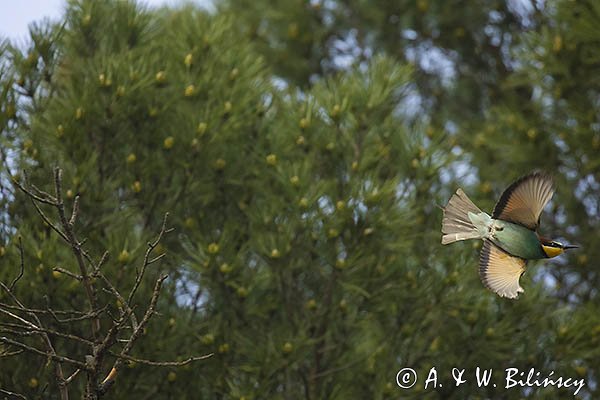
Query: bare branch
pixel 102 261
pixel 30 349
pixel 124 330
pixel 22 257
pixel 72 376
pixel 76 249
pixel 48 222
pixel 147 315
pixel 51 353
pixel 84 316
pixel 39 311
pixel 12 394
pixel 109 380
pixel 27 331
pixel 155 259
pixel 11 353
pixel 57 368
pixel 145 264
pixel 11 295
pixel 68 273
pixel 38 190
pixel 18 318
pixel 75 211
pixel 113 290
pixel 49 200
pixel 162 363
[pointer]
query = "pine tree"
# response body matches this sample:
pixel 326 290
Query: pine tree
pixel 301 150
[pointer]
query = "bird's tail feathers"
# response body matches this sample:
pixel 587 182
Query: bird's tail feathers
pixel 463 220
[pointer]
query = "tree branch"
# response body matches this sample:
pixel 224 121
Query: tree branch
pixel 109 380
pixel 75 247
pixel 162 363
pixel 26 321
pixel 53 356
pixel 151 246
pixel 12 394
pixel 22 257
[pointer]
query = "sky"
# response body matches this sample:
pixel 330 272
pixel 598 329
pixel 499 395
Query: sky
pixel 16 15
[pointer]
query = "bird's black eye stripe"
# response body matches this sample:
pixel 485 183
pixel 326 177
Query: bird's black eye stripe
pixel 554 244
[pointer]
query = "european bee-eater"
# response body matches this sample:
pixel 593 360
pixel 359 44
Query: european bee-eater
pixel 509 236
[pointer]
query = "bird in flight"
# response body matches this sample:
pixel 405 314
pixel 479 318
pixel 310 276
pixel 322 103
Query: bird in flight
pixel 510 236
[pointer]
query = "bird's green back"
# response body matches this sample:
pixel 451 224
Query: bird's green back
pixel 518 240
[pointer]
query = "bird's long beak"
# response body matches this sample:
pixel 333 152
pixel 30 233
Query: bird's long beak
pixel 570 246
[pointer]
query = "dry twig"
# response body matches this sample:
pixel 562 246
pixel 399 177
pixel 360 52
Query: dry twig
pixel 12 394
pixel 123 330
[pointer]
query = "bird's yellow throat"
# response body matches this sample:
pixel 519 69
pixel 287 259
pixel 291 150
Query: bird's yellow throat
pixel 552 251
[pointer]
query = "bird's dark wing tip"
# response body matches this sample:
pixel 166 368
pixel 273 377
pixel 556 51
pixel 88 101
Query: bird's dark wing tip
pixel 506 195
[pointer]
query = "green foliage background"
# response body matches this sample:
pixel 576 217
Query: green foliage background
pixel 301 149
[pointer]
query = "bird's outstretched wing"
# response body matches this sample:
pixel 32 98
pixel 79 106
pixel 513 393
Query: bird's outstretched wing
pixel 499 271
pixel 523 201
